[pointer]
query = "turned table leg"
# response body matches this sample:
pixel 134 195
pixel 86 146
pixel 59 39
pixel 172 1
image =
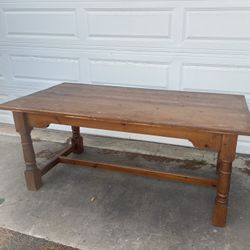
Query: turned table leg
pixel 76 140
pixel 225 159
pixel 32 173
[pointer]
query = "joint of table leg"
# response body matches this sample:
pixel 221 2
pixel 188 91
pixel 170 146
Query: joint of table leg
pixel 206 141
pixel 55 160
pixel 30 165
pixel 225 168
pixel 222 199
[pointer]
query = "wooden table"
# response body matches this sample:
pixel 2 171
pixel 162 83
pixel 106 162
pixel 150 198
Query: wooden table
pixel 211 121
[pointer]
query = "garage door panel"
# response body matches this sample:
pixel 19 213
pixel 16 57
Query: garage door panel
pixel 129 26
pixel 217 27
pixel 127 23
pixel 45 67
pixel 28 24
pixel 231 24
pixel 40 22
pixel 216 78
pixel 129 72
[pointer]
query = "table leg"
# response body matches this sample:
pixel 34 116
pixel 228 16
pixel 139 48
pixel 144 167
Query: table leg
pixel 226 157
pixel 32 173
pixel 76 140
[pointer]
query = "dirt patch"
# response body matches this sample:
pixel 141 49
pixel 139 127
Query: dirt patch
pixel 191 164
pixel 47 154
pixel 245 171
pixel 36 140
pixel 186 163
pixel 247 163
pixel 13 240
pixel 5 237
pixel 161 159
pixel 2 200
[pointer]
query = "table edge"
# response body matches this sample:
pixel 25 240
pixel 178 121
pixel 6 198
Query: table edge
pixel 204 130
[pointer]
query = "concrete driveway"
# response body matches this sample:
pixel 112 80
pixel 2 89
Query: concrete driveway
pixel 94 209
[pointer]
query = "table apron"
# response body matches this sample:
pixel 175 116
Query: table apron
pixel 200 139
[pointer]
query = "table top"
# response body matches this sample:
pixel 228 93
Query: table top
pixel 190 110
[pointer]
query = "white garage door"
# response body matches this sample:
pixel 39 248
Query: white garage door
pixel 184 45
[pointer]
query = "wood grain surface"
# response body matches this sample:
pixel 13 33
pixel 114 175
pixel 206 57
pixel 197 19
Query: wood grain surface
pixel 202 111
